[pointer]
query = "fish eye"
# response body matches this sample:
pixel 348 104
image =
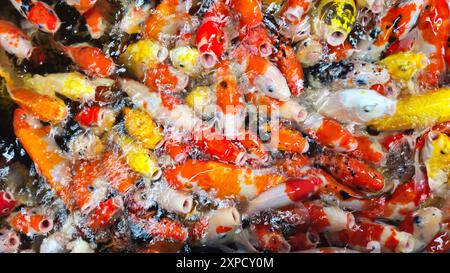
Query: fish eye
pixel 40 26
pixel 369 108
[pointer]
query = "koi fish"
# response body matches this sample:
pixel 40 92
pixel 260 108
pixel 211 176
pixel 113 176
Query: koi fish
pixel 229 101
pixel 186 59
pixel 266 78
pixel 395 25
pixel 417 111
pixel 39 14
pixel 268 239
pixel 72 85
pixel 9 241
pixel 424 224
pixel 355 105
pixel 368 236
pixel 30 222
pixel 46 108
pixel 95 23
pixel 134 16
pixel 252 31
pixel 352 172
pixel 14 41
pixel 329 133
pixel 7 203
pixel 224 180
pixel 166 20
pixel 142 55
pixel 140 125
pixel 435 17
pixel 211 39
pixel 42 149
pixel 436 157
pixel 292 191
pixel 177 115
pixel 404 65
pixel 375 6
pixel 91 60
pixel 81 5
pixel 164 77
pixel 334 20
pixel 215 226
pixel 291 69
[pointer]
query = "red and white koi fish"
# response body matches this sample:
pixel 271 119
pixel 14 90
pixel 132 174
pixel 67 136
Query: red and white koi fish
pixel 424 224
pixel 398 21
pixel 369 151
pixel 211 37
pixel 92 179
pixel 95 22
pixel 162 229
pixel 294 10
pixel 434 30
pixel 219 147
pixel 264 76
pixel 9 241
pixel 441 242
pixel 293 19
pixel 167 113
pixel 14 41
pixel 39 14
pixel 264 237
pixel 167 19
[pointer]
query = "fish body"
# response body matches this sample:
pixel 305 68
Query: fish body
pixel 436 157
pixel 221 179
pixel 14 41
pixel 417 111
pixel 355 105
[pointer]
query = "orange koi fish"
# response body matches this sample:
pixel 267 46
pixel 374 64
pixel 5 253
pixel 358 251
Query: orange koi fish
pixel 225 180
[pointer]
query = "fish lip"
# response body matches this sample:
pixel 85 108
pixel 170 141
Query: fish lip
pixel 208 59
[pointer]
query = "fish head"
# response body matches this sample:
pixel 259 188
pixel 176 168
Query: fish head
pixel 44 17
pixel 436 157
pixel 273 84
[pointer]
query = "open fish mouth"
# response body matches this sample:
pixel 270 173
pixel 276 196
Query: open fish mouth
pixel 224 126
